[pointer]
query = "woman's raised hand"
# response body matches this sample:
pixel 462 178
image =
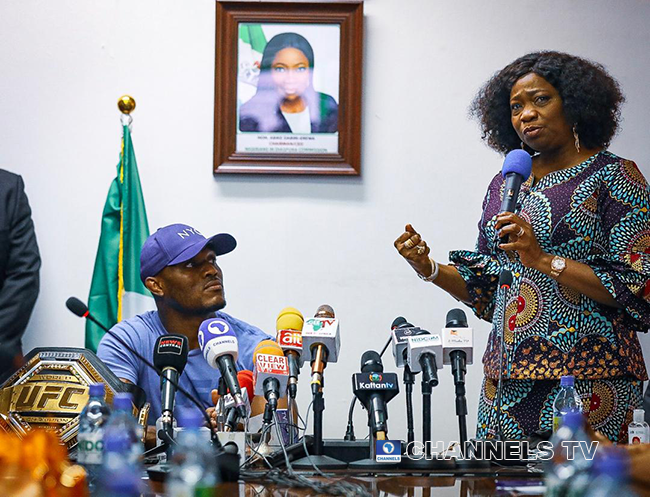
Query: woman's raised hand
pixel 415 250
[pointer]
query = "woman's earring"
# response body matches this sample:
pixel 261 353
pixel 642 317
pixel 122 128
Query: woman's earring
pixel 577 139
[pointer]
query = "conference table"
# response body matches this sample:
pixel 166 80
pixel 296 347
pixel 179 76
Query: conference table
pixel 501 481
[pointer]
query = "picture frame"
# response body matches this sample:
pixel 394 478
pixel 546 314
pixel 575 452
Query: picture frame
pixel 288 81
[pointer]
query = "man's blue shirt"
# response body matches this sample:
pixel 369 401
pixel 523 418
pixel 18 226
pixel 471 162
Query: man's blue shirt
pixel 198 377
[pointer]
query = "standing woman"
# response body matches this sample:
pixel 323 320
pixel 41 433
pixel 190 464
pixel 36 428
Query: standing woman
pixel 579 251
pixel 285 100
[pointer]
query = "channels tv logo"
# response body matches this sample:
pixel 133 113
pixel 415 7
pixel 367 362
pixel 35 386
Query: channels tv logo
pixel 388 451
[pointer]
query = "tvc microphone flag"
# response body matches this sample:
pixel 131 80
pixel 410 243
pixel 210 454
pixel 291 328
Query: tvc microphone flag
pixel 116 291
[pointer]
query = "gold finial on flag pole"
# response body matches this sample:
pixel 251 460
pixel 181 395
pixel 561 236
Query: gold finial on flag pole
pixel 126 104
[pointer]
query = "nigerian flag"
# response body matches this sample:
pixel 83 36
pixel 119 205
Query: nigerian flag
pixel 251 44
pixel 116 291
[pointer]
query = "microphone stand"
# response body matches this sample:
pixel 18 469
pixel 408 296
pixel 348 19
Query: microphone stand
pixel 409 381
pixel 428 462
pixel 504 294
pixel 318 458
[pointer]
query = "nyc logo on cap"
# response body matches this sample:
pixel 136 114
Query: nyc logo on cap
pixel 388 451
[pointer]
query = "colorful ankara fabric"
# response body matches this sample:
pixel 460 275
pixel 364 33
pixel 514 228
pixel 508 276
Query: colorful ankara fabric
pixel 527 406
pixel 598 213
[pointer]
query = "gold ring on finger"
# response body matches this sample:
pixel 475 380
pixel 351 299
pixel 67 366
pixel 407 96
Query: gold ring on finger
pixel 409 244
pixel 421 249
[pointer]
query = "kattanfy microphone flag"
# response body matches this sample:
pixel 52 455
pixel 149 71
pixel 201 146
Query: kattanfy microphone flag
pixel 116 291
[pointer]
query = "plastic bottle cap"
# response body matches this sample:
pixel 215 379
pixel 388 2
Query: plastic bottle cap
pixel 572 419
pixel 189 417
pixel 123 400
pixel 96 390
pixel 639 415
pixel 567 381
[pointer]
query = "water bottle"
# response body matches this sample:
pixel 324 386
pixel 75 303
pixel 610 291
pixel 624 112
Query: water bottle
pixel 638 429
pixel 567 462
pixel 610 475
pixel 566 400
pixel 90 438
pixel 123 422
pixel 193 465
pixel 121 473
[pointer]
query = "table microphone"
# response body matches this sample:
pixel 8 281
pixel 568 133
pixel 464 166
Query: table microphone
pixel 219 345
pixel 289 336
pixel 170 356
pixel 321 343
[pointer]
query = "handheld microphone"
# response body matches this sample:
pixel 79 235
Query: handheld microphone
pixel 321 342
pixel 425 354
pixel 289 336
pixel 375 389
pixel 169 355
pixel 219 345
pixel 78 308
pixel 400 331
pixel 516 169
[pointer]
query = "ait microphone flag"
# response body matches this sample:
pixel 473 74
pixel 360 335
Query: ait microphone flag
pixel 116 291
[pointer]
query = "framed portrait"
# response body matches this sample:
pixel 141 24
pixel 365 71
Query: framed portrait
pixel 288 87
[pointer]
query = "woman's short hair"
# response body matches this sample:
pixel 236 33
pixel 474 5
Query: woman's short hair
pixel 282 41
pixel 591 98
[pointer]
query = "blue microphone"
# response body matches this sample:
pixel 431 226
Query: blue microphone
pixel 516 169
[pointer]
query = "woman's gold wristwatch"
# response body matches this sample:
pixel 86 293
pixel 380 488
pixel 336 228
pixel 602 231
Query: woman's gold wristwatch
pixel 558 264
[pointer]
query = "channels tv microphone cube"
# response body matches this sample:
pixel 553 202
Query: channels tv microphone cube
pixel 399 342
pixel 423 344
pixel 271 366
pixel 461 339
pixel 323 331
pixel 291 340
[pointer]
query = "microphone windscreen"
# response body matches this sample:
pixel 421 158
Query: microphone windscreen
pixel 505 278
pixel 371 362
pixel 289 319
pixel 456 318
pixel 267 347
pixel 517 161
pixel 245 379
pixel 170 351
pixel 76 306
pixel 324 311
pixel 397 322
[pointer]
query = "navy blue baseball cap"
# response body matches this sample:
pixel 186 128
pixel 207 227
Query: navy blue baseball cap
pixel 178 243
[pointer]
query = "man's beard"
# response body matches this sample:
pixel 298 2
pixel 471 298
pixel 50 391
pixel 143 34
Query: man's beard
pixel 198 311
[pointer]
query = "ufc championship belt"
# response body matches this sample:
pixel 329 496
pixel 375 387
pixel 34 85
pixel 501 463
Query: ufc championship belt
pixel 51 389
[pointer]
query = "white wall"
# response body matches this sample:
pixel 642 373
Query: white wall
pixel 302 241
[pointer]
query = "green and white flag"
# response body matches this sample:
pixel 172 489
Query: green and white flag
pixel 116 291
pixel 252 42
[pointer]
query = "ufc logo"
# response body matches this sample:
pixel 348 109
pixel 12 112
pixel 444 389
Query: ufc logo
pixel 34 397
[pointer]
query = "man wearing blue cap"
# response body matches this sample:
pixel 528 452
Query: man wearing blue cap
pixel 179 267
